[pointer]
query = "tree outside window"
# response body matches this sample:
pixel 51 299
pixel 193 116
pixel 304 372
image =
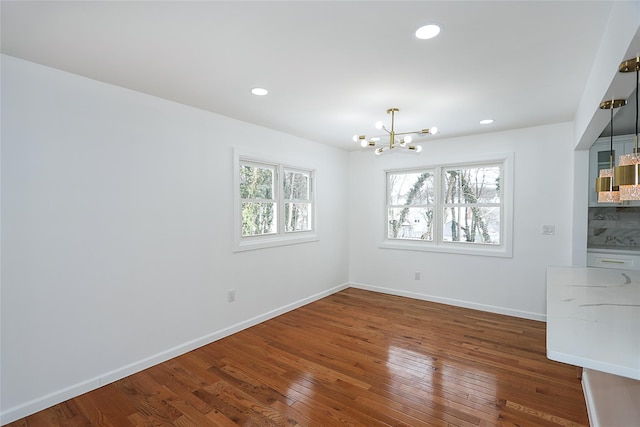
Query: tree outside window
pixel 446 204
pixel 410 205
pixel 258 199
pixel 471 205
pixel 274 200
pixel 297 201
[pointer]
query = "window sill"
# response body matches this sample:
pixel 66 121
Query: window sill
pixel 449 247
pixel 254 243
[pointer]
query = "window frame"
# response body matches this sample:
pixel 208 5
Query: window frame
pixel 280 237
pixel 438 244
pixel 298 201
pixel 444 204
pixel 274 197
pixel 431 206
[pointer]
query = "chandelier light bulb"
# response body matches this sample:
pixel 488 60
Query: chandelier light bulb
pixel 418 148
pixel 378 151
pixel 407 139
pixel 355 138
pixel 433 130
pixel 379 125
pixel 364 143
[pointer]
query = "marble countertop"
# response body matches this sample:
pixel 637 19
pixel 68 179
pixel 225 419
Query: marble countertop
pixel 627 250
pixel 593 319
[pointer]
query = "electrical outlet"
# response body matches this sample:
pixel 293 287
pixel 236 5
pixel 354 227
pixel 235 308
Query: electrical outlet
pixel 231 295
pixel 416 275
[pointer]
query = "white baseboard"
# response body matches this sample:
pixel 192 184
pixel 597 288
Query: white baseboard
pixel 43 402
pixel 454 302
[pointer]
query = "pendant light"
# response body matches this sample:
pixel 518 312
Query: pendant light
pixel 607 191
pixel 627 174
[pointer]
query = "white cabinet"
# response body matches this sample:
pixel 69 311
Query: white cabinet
pixel 599 159
pixel 613 260
pixel 611 400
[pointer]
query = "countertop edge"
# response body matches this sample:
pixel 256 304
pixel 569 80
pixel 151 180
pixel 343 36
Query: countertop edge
pixel 597 365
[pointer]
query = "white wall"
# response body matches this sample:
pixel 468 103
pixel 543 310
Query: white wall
pixel 117 233
pixel 543 195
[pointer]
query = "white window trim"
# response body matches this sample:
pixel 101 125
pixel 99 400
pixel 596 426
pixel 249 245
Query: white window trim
pixel 504 249
pixel 281 238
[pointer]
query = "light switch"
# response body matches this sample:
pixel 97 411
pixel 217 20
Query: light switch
pixel 548 230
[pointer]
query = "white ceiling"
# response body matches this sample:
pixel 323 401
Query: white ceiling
pixel 332 67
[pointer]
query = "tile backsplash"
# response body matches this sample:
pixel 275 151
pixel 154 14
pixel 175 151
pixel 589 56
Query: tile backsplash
pixel 614 226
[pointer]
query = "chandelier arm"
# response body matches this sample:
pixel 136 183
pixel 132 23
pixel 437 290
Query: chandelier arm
pixel 407 133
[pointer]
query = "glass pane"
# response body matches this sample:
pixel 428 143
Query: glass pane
pixel 410 223
pixel 605 159
pixel 472 185
pixel 296 185
pixel 258 218
pixel 297 217
pixel 256 182
pixel 414 188
pixel 604 156
pixel 471 224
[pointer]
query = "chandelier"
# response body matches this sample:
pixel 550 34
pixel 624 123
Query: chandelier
pixel 396 139
pixel 627 173
pixel 607 191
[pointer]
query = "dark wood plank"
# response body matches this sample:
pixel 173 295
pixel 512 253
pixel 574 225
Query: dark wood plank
pixel 353 358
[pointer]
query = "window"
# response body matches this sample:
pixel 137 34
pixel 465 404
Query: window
pixel 297 200
pixel 463 208
pixel 411 203
pixel 274 204
pixel 257 193
pixel 471 204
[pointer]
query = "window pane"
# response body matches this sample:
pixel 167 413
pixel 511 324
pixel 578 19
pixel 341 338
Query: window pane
pixel 296 185
pixel 410 223
pixel 414 188
pixel 256 182
pixel 471 224
pixel 258 218
pixel 472 185
pixel 297 216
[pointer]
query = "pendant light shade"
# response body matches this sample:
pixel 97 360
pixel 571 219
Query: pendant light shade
pixel 627 174
pixel 607 191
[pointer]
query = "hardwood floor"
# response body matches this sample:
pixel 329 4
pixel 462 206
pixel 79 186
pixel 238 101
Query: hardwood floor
pixel 354 358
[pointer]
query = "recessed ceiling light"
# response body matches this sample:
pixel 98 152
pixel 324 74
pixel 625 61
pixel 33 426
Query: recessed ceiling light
pixel 427 31
pixel 259 91
pixel 486 121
